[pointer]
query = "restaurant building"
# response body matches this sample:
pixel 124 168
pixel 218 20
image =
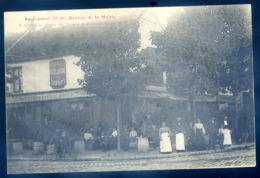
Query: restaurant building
pixel 45 91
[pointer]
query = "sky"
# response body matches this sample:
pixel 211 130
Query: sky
pixel 152 19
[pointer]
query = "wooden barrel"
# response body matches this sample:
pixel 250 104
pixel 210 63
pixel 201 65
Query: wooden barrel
pixel 143 145
pixel 51 149
pixel 38 147
pixel 30 144
pixel 79 146
pixel 133 144
pixel 17 148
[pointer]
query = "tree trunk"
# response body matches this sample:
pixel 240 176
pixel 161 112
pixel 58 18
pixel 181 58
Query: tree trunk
pixel 144 126
pixel 236 100
pixel 191 105
pixel 118 119
pixel 237 105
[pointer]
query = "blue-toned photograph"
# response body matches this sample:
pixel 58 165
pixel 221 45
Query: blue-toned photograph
pixel 128 89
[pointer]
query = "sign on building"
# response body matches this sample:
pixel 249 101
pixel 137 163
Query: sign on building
pixel 58 73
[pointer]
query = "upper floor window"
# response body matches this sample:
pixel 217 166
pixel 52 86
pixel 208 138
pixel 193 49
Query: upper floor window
pixel 17 84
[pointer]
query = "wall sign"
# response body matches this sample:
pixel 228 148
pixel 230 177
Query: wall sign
pixel 58 73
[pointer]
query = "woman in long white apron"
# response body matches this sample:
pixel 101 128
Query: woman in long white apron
pixel 227 133
pixel 179 135
pixel 227 137
pixel 165 141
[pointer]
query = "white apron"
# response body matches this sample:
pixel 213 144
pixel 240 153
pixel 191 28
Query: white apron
pixel 165 143
pixel 180 144
pixel 227 137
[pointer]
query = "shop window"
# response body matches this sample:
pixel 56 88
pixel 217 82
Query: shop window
pixel 17 83
pixel 46 113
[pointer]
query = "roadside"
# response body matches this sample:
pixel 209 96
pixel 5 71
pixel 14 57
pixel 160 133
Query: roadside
pixel 115 155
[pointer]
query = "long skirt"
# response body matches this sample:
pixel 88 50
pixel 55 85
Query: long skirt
pixel 199 141
pixel 180 144
pixel 165 143
pixel 227 137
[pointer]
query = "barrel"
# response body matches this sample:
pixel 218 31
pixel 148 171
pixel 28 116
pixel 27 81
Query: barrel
pixel 79 146
pixel 17 148
pixel 30 144
pixel 51 149
pixel 38 147
pixel 133 144
pixel 143 145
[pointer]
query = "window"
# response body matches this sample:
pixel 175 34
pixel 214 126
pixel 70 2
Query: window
pixel 17 84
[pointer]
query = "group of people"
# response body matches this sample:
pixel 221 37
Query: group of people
pixel 102 140
pixel 99 140
pixel 195 137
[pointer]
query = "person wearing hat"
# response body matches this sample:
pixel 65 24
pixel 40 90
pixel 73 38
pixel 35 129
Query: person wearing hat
pixel 212 133
pixel 58 143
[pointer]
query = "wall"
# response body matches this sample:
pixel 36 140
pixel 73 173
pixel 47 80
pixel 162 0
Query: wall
pixel 36 74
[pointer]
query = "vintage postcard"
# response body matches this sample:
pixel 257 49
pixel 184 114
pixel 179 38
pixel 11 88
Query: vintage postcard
pixel 129 89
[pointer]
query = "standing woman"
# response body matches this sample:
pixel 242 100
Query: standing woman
pixel 227 133
pixel 179 136
pixel 165 141
pixel 199 132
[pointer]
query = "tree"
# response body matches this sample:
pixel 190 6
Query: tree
pixel 111 63
pixel 108 55
pixel 236 75
pixel 206 50
pixel 235 43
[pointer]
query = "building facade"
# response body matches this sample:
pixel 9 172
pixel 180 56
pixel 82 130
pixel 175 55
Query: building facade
pixel 45 96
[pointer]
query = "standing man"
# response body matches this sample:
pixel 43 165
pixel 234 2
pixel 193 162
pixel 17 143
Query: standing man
pixel 212 133
pixel 97 137
pixel 179 136
pixel 190 137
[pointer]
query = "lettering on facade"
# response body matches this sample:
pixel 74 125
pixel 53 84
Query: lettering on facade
pixel 47 96
pixel 58 73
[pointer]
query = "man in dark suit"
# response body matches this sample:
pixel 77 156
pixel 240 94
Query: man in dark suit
pixel 212 133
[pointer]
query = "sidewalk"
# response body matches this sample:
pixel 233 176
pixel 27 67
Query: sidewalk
pixel 115 155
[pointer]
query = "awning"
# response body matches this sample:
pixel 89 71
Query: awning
pixel 46 96
pixel 168 95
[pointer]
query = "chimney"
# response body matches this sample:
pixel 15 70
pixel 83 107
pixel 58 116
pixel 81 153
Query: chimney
pixel 164 78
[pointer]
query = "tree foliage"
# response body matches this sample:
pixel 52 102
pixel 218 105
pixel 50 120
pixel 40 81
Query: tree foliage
pixel 108 54
pixel 207 50
pixel 110 60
